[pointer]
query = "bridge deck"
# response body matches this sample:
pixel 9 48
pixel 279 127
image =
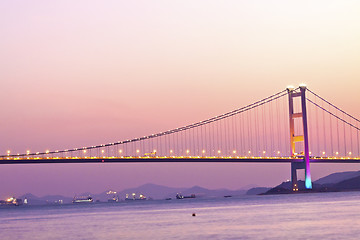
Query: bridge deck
pixel 174 160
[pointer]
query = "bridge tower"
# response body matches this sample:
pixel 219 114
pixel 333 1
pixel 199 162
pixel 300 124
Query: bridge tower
pixel 294 93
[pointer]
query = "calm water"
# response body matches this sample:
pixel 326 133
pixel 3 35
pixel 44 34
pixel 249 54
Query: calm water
pixel 302 216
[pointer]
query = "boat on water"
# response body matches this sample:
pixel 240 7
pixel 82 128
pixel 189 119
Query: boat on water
pixel 82 199
pixel 141 197
pixel 112 196
pixel 113 199
pixel 12 201
pixel 180 196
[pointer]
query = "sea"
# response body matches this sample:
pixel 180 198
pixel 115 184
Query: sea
pixel 290 216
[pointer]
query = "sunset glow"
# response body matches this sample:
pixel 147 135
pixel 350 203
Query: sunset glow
pixel 84 73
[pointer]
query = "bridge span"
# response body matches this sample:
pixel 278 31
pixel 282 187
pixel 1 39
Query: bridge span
pixel 291 126
pixel 177 160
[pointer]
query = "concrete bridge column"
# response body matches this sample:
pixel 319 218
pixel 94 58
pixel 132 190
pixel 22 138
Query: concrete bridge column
pixel 294 93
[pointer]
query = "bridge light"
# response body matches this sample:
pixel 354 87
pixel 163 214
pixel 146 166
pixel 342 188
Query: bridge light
pixel 203 151
pixel 302 85
pixel 323 153
pixel 28 152
pixel 137 150
pixel 8 152
pixel 102 151
pixel 154 150
pixel 249 152
pixel 84 151
pixel 234 151
pixel 171 151
pixel 278 152
pixel 47 151
pixel 290 87
pixel 187 151
pixel 264 152
pixel 337 153
pixel 350 153
pixel 219 151
pixel 120 151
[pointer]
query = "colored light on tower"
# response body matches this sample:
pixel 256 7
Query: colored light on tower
pixel 308 183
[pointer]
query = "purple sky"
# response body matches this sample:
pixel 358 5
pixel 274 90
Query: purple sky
pixel 89 72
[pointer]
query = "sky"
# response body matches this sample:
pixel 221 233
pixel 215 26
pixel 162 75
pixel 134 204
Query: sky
pixel 83 73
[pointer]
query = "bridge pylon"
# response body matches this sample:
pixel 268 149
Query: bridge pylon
pixel 295 93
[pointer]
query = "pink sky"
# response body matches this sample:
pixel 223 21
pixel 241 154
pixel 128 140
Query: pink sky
pixel 88 72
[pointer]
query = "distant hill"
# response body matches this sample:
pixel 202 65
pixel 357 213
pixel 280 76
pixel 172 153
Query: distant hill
pixel 162 192
pixel 286 187
pixel 152 190
pixel 257 190
pixel 149 190
pixel 337 177
pixel 249 186
pixel 335 182
pixel 341 181
pixel 203 192
pixel 348 184
pixel 49 199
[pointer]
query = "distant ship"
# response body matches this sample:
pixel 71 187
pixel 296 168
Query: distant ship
pixel 141 197
pixel 83 199
pixel 12 201
pixel 112 197
pixel 179 196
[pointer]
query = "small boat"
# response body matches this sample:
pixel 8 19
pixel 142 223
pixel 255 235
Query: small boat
pixel 179 196
pixel 83 200
pixel 191 196
pixel 112 197
pixel 227 196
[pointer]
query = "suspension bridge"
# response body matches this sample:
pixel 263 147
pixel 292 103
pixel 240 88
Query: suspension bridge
pixel 295 126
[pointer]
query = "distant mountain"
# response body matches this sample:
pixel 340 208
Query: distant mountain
pixel 29 196
pixel 335 182
pixel 161 192
pixel 32 199
pixel 257 190
pixel 286 187
pixel 348 184
pixel 103 196
pixel 49 199
pixel 152 190
pixel 203 192
pixel 249 186
pixel 56 198
pixel 337 177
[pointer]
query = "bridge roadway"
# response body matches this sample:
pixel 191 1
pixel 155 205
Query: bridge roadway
pixel 174 159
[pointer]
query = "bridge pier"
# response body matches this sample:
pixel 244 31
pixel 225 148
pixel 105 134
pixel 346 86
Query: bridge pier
pixel 294 167
pixel 299 138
